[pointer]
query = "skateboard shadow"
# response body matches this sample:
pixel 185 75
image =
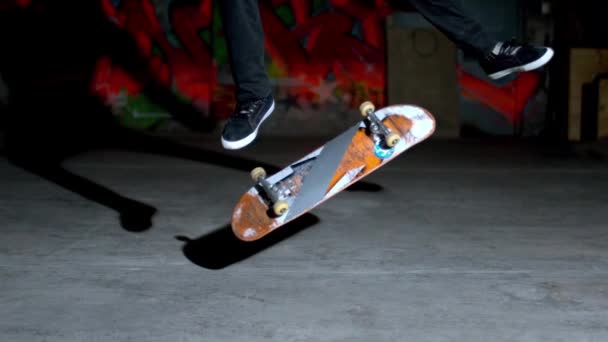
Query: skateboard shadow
pixel 221 248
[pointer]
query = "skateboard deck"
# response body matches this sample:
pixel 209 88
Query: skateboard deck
pixel 377 139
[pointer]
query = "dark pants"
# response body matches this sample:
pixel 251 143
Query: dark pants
pixel 244 34
pixel 245 38
pixel 449 17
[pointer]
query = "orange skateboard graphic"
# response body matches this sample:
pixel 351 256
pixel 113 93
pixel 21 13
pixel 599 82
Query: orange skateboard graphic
pixel 280 198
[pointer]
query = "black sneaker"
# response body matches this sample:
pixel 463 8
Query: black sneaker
pixel 242 126
pixel 509 57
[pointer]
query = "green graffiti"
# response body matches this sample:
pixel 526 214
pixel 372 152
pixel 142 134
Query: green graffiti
pixel 140 113
pixel 219 49
pixel 286 14
pixel 274 71
pixel 205 35
pixel 156 51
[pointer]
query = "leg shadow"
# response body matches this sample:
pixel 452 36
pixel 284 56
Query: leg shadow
pixel 27 152
pixel 134 216
pixel 221 248
pixel 141 142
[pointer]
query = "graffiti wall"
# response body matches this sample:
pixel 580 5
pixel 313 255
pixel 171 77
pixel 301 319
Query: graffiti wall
pixel 323 56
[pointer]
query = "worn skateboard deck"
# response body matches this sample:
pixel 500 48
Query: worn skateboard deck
pixel 331 168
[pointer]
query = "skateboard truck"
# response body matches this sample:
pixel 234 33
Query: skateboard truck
pixel 376 126
pixel 279 206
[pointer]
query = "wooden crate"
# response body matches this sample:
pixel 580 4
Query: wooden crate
pixel 422 71
pixel 594 118
pixel 585 65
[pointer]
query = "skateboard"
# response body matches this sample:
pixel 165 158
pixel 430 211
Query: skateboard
pixel 381 136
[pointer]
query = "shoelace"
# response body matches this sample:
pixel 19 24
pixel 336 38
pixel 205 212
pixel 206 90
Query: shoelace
pixel 248 109
pixel 509 47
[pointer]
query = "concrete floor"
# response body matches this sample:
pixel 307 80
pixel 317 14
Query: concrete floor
pixel 452 242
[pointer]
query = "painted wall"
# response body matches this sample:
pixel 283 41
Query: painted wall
pixel 324 58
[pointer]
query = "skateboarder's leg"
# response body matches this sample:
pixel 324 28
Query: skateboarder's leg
pixel 449 17
pixel 497 58
pixel 244 37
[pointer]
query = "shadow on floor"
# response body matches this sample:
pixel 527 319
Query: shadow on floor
pixel 221 248
pixel 135 216
pixel 53 115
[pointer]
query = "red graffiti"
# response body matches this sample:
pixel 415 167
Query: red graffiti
pixel 316 59
pixel 356 64
pixel 109 81
pixel 509 100
pixel 188 68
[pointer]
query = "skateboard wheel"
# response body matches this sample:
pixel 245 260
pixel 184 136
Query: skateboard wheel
pixel 258 173
pixel 280 208
pixel 392 139
pixel 366 107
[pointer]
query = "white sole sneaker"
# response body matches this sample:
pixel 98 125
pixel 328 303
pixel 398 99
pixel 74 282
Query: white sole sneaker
pixel 544 59
pixel 238 144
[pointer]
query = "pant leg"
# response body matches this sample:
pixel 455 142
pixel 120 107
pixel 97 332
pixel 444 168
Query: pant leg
pixel 244 35
pixel 449 17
